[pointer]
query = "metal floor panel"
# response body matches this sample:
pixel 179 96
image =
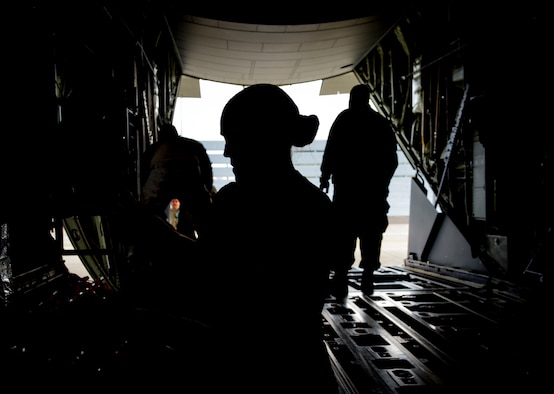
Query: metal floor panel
pixel 423 333
pixel 420 332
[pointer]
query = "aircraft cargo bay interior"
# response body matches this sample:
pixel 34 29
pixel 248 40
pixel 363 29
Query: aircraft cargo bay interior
pixel 92 88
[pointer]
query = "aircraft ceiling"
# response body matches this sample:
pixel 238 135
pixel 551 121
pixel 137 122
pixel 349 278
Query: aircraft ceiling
pixel 276 47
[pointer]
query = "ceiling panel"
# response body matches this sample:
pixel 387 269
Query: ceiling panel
pixel 248 53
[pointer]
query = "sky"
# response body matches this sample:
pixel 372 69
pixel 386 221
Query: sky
pixel 198 118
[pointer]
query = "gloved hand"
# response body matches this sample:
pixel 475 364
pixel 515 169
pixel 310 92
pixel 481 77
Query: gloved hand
pixel 324 184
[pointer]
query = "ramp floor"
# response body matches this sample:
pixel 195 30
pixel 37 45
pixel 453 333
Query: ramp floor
pixel 421 333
